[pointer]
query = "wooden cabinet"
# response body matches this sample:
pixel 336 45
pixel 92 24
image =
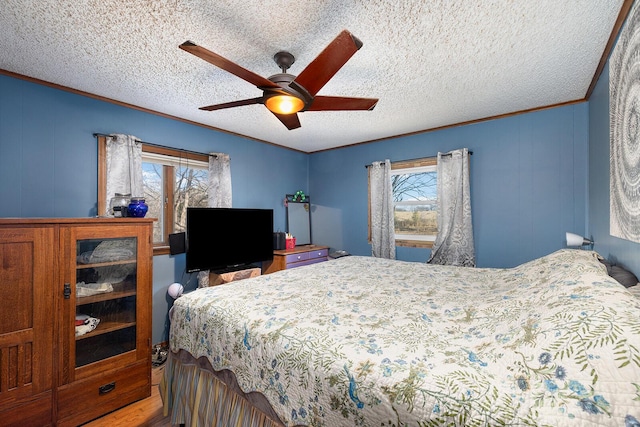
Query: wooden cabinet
pixel 296 257
pixel 57 274
pixel 27 319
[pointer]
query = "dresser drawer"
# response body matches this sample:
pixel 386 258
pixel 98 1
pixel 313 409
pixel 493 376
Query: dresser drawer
pixel 306 262
pixel 87 399
pixel 307 258
pixel 302 256
pixel 297 257
pixel 320 253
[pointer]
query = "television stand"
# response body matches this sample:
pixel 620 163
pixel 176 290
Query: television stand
pixel 232 274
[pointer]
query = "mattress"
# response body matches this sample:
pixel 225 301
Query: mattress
pixel 368 341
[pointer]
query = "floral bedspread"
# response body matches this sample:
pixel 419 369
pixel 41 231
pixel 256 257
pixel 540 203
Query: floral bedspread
pixel 361 341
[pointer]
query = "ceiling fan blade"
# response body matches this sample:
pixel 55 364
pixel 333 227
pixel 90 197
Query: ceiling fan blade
pixel 330 60
pixel 227 65
pixel 291 121
pixel 339 103
pixel 232 104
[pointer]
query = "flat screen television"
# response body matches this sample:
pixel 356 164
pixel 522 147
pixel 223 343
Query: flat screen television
pixel 224 239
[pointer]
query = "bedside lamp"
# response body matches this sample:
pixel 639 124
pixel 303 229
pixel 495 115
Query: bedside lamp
pixel 575 240
pixel 175 290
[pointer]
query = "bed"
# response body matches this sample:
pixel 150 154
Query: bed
pixel 363 341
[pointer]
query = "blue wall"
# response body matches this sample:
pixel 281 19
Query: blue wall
pixel 48 163
pixel 528 184
pixel 615 249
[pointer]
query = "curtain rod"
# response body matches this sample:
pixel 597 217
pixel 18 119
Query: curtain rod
pixel 161 146
pixel 420 158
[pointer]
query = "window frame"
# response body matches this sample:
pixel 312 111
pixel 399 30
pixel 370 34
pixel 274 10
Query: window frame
pixel 405 164
pixel 159 248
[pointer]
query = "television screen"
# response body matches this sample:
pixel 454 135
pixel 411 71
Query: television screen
pixel 227 238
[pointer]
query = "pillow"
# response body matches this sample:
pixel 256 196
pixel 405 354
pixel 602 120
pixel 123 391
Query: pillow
pixel 621 274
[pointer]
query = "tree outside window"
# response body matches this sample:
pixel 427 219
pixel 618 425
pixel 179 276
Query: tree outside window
pixel 170 186
pixel 415 204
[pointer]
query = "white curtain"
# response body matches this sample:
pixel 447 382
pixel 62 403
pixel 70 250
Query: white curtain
pixel 454 243
pixel 219 180
pixel 383 241
pixel 124 167
pixel 219 194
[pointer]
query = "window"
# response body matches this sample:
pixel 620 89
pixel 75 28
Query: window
pixel 173 180
pixel 415 202
pixel 171 184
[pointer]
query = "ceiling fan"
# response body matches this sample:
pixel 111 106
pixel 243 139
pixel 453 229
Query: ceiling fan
pixel 285 94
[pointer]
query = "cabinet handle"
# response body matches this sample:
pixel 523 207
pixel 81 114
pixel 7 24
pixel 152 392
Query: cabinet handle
pixel 67 291
pixel 107 388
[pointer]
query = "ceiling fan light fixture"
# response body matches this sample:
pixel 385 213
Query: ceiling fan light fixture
pixel 285 94
pixel 284 104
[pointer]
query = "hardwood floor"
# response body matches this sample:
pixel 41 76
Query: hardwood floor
pixel 147 412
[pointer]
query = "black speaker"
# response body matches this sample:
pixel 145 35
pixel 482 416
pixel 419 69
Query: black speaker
pixel 279 241
pixel 177 243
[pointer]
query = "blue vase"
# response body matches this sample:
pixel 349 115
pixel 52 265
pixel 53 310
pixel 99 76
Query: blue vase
pixel 137 207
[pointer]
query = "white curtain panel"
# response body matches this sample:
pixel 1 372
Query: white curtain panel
pixel 219 180
pixel 124 167
pixel 454 243
pixel 219 194
pixel 383 241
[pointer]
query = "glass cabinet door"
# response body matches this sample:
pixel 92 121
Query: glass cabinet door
pixel 105 301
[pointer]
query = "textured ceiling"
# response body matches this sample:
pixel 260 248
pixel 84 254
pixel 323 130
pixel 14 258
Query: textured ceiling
pixel 430 63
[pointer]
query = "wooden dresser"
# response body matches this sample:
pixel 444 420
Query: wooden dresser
pixel 55 273
pixel 296 257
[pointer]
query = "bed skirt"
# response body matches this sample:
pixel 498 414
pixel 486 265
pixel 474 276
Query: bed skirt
pixel 196 395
